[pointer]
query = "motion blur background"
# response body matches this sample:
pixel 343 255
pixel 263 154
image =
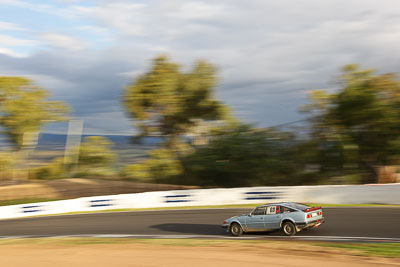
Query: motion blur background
pixel 107 97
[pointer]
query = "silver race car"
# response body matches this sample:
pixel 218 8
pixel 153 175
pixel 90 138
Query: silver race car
pixel 290 217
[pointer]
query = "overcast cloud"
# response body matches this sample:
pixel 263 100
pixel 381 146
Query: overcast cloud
pixel 269 53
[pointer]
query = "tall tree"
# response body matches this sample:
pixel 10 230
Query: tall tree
pixel 25 108
pixel 363 116
pixel 96 151
pixel 165 101
pixel 161 166
pixel 240 155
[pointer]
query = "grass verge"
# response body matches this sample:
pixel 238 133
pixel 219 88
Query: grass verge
pixel 387 250
pixel 391 250
pixel 25 201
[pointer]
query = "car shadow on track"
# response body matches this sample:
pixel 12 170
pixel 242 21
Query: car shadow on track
pixel 190 228
pixel 202 229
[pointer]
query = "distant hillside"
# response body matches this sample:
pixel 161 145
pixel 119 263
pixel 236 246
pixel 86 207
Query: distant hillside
pixel 53 145
pixel 49 141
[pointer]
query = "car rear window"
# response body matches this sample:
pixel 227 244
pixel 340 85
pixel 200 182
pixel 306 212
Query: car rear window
pixel 286 209
pixel 299 206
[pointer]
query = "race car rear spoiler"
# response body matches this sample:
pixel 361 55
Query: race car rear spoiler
pixel 313 208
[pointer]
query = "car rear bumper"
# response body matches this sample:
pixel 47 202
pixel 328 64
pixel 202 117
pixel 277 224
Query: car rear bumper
pixel 310 224
pixel 226 227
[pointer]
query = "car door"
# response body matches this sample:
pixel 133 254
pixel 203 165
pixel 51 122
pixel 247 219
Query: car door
pixel 272 217
pixel 255 221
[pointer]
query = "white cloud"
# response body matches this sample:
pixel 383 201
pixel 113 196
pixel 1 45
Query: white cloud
pixel 63 41
pixel 197 10
pixel 11 2
pixel 123 17
pixel 103 34
pixel 94 29
pixel 151 18
pixel 9 45
pixel 6 26
pixel 9 52
pixel 25 4
pixel 6 40
pixel 69 1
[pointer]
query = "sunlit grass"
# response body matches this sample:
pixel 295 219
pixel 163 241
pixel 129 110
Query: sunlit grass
pixel 391 250
pixel 369 249
pixel 25 201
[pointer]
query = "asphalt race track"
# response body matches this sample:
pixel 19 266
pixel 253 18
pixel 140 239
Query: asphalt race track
pixel 368 224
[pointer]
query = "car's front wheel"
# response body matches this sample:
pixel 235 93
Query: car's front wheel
pixel 288 228
pixel 235 229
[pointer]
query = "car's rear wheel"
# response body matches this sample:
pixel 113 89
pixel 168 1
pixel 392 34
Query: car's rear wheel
pixel 288 228
pixel 235 229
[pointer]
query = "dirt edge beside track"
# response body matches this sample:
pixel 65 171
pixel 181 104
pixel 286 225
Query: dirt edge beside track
pixel 86 252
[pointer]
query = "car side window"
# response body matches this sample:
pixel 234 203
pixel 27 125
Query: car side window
pixel 271 210
pixel 286 209
pixel 259 211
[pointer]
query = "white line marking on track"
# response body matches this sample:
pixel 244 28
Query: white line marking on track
pixel 155 236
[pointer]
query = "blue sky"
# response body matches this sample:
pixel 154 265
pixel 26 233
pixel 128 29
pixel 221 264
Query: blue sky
pixel 269 53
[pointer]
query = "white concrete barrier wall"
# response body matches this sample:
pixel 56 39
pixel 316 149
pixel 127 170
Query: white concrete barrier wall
pixel 335 194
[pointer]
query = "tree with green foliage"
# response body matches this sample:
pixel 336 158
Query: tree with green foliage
pixel 25 108
pixel 240 155
pixel 166 101
pixel 161 166
pixel 54 170
pixel 95 154
pixel 360 122
pixel 8 159
pixel 137 172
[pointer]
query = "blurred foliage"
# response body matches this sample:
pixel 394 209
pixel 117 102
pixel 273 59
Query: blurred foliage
pixel 354 132
pixel 95 158
pixel 95 154
pixel 162 166
pixel 8 160
pixel 167 102
pixel 138 172
pixel 25 108
pixel 54 170
pixel 357 128
pixel 240 155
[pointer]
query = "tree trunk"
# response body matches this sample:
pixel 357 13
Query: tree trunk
pixel 370 176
